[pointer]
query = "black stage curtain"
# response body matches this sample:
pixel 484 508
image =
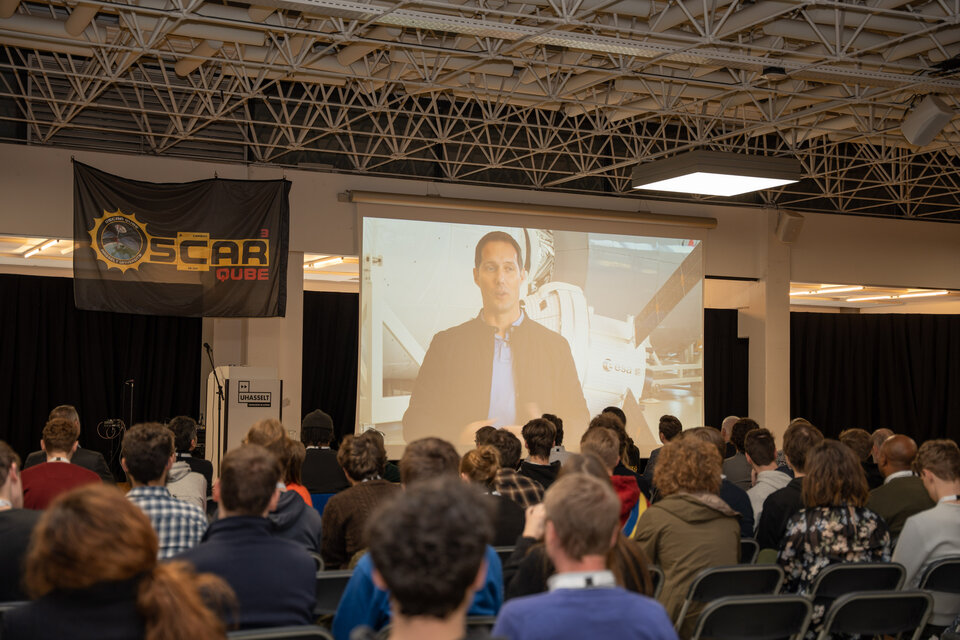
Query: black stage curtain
pixel 897 371
pixel 725 367
pixel 330 333
pixel 54 354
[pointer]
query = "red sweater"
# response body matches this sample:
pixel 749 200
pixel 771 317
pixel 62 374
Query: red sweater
pixel 628 492
pixel 44 482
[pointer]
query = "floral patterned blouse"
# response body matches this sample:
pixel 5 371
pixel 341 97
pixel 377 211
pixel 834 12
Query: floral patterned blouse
pixel 820 536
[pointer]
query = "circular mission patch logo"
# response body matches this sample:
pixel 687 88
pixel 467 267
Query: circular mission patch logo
pixel 119 240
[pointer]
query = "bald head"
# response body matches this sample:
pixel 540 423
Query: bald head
pixel 896 454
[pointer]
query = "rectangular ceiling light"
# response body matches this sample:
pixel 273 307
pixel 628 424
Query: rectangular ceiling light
pixel 716 173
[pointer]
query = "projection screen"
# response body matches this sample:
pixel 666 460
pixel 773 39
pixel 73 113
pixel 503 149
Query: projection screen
pixel 459 331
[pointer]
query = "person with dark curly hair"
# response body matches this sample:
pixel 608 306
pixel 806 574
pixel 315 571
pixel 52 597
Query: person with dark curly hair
pixel 362 459
pixel 447 523
pixel 691 528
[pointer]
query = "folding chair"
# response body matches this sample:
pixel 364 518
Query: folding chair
pixel 749 549
pixel 281 633
pixel 732 580
pixel 656 578
pixel 839 579
pixel 754 618
pixel 504 553
pixel 317 560
pixel 330 586
pixel 942 576
pixel 871 613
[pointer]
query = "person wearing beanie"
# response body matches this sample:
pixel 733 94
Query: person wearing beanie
pixel 321 472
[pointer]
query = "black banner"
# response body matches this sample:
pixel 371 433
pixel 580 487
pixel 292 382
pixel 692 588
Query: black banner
pixel 205 248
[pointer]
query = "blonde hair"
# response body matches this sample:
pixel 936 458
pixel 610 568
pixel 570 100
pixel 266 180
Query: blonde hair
pixel 585 512
pixel 481 465
pixel 265 432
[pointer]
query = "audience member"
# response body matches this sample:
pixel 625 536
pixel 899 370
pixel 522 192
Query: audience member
pixel 510 484
pixel 902 493
pixel 86 458
pixel 933 534
pixel 670 428
pixel 186 485
pixel 735 497
pixel 362 603
pixel 445 522
pixel 726 430
pixel 833 526
pixel 16 524
pixel 557 453
pixel 291 517
pixel 691 528
pixel 529 568
pixel 147 455
pixel 483 435
pixel 539 435
pixel 610 418
pixel 861 444
pixel 736 469
pixel 45 481
pixel 761 452
pixel 362 459
pixel 92 567
pixel 294 455
pixel 391 472
pixel 630 455
pixel 799 438
pixel 321 471
pixel 605 445
pixel 584 600
pixel 274 579
pixel 878 437
pixel 185 440
pixel 480 466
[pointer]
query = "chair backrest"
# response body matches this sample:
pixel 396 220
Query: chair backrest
pixel 281 633
pixel 656 578
pixel 320 500
pixel 872 613
pixel 749 548
pixel 839 579
pixel 330 586
pixel 504 553
pixel 769 617
pixel 732 580
pixel 942 575
pixel 481 622
pixel 317 560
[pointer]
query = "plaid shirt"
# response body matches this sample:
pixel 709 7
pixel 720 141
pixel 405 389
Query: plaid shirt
pixel 520 489
pixel 179 525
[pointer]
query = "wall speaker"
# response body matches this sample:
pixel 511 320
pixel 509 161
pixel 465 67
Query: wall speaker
pixel 928 119
pixel 789 225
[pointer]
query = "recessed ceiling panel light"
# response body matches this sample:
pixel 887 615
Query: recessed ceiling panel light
pixel 716 173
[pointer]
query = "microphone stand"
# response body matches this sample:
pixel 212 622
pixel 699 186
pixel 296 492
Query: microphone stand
pixel 220 401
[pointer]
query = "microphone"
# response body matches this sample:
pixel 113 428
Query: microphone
pixel 206 345
pixel 129 382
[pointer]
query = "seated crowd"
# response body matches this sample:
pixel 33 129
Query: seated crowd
pixel 186 554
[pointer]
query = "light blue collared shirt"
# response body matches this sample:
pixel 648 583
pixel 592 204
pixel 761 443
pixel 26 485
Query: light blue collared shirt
pixel 503 397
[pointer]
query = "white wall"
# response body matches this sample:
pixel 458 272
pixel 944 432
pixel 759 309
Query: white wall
pixel 37 194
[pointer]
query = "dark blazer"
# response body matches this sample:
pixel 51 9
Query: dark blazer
pixel 106 611
pixel 16 525
pixel 897 500
pixel 86 458
pixel 321 473
pixel 274 579
pixel 738 500
pixel 544 375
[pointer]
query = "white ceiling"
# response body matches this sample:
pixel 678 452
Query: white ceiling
pixel 545 94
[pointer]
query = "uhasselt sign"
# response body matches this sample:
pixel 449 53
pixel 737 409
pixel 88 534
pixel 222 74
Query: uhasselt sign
pixel 205 248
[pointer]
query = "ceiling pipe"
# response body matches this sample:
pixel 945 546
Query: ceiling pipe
pixel 802 31
pixel 419 58
pixel 258 13
pixel 80 18
pixel 924 43
pixel 197 57
pixel 53 47
pixel 353 52
pixel 539 69
pixel 752 15
pixel 883 23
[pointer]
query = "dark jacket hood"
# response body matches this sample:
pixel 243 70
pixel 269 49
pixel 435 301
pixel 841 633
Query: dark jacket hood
pixel 289 508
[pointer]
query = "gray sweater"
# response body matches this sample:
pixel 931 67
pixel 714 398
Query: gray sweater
pixel 928 536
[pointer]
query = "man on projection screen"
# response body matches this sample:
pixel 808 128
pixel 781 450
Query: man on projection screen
pixel 500 368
